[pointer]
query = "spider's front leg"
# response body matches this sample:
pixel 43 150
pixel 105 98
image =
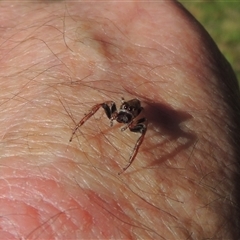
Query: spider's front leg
pixel 139 126
pixel 109 108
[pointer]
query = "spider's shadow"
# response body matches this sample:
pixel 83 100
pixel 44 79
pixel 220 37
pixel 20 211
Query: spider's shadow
pixel 168 122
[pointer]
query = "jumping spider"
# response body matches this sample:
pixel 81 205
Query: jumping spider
pixel 127 113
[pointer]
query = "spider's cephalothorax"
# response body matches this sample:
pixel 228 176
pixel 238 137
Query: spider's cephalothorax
pixel 127 113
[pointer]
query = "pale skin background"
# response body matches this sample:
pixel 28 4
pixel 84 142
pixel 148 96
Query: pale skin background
pixel 58 59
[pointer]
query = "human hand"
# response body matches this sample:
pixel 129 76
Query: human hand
pixel 58 59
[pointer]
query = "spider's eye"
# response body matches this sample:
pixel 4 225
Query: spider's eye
pixel 131 109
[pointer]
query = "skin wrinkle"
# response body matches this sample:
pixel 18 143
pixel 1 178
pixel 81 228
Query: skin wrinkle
pixel 107 168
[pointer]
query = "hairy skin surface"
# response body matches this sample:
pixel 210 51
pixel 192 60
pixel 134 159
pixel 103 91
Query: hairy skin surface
pixel 58 59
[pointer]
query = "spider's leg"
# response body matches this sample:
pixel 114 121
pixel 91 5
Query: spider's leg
pixel 126 126
pixel 83 120
pixel 110 110
pixel 140 127
pixel 93 110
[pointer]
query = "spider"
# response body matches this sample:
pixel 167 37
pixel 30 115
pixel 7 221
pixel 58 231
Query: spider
pixel 127 113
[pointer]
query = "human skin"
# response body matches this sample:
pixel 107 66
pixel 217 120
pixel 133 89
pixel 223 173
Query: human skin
pixel 58 59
